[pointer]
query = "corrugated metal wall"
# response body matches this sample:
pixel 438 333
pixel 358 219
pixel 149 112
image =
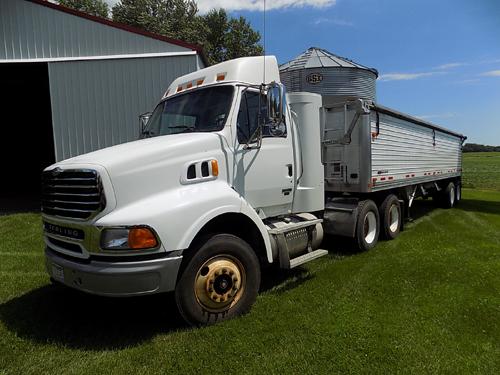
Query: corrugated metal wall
pixel 29 31
pixel 96 104
pixel 410 152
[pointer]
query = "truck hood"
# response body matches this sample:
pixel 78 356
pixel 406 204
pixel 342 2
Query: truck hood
pixel 153 165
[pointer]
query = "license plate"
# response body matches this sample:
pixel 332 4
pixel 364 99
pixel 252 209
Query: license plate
pixel 57 272
pixel 64 231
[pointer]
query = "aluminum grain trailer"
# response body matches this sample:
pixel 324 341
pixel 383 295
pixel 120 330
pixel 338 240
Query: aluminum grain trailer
pixel 371 151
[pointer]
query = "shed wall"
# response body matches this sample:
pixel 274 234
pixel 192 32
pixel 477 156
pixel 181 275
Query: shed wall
pixel 96 104
pixel 30 31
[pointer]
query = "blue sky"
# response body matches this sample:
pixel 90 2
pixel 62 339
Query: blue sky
pixel 439 59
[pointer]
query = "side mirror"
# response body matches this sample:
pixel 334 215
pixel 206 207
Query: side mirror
pixel 143 121
pixel 276 102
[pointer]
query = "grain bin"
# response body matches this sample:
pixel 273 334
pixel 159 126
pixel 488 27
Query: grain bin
pixel 335 78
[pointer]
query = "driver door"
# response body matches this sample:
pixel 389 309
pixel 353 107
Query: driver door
pixel 263 176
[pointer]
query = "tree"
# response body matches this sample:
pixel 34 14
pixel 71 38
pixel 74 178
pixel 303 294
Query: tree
pixel 222 37
pixel 94 7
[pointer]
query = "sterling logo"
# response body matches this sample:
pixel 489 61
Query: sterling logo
pixel 314 78
pixel 63 231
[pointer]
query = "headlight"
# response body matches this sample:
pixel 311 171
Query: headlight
pixel 134 238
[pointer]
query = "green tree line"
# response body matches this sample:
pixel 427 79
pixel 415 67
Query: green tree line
pixel 221 36
pixel 474 147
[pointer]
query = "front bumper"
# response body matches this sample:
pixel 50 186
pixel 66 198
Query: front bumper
pixel 114 278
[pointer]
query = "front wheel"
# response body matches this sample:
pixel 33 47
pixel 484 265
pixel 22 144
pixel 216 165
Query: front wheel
pixel 220 280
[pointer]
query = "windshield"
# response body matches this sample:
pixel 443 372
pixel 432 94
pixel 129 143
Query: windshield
pixel 203 110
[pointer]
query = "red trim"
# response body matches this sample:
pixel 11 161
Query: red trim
pixel 104 21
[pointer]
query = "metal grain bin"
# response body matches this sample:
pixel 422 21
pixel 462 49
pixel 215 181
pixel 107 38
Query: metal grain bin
pixel 335 78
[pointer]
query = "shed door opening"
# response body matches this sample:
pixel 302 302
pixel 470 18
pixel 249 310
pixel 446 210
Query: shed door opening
pixel 27 144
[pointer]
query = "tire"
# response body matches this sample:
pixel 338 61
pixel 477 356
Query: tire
pixel 449 196
pixel 220 280
pixel 391 217
pixel 367 225
pixel 458 193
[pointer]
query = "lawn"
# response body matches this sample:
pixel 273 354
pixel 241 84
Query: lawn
pixel 482 170
pixel 426 302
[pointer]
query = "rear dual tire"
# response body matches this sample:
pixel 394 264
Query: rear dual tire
pixel 367 225
pixel 391 217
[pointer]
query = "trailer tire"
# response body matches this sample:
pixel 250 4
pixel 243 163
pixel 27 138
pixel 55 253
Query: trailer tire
pixel 367 225
pixel 458 193
pixel 220 280
pixel 391 217
pixel 449 196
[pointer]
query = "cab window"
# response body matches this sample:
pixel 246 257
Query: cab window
pixel 248 119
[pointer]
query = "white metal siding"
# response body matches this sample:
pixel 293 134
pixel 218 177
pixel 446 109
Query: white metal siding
pixel 29 31
pixel 404 153
pixel 96 104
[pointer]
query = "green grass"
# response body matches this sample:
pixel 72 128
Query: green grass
pixel 481 170
pixel 427 302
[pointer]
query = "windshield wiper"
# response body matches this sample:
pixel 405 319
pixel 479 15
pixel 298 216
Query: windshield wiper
pixel 185 127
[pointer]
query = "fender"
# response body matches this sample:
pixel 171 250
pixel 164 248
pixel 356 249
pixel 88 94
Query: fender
pixel 177 215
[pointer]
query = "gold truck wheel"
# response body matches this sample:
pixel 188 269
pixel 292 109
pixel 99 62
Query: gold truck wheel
pixel 220 279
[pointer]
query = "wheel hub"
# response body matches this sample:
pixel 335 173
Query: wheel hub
pixel 219 283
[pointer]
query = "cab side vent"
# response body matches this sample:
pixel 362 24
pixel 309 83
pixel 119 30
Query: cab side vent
pixel 191 172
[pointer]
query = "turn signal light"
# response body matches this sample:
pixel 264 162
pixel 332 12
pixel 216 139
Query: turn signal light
pixel 141 238
pixel 215 168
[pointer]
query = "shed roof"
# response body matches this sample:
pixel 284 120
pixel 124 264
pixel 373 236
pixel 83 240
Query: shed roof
pixel 316 57
pixel 58 34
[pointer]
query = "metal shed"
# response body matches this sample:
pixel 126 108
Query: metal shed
pixel 74 83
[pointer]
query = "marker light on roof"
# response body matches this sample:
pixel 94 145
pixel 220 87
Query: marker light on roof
pixel 199 82
pixel 221 76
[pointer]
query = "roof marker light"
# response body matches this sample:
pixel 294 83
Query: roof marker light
pixel 221 76
pixel 199 82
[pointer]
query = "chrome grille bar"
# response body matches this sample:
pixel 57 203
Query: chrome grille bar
pixel 74 193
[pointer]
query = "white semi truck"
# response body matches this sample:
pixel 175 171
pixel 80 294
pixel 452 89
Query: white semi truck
pixel 232 175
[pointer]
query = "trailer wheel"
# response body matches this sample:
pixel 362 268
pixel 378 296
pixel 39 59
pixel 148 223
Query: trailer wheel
pixel 367 225
pixel 391 217
pixel 449 195
pixel 220 281
pixel 458 193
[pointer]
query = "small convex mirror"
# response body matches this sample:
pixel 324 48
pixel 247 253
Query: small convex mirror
pixel 276 102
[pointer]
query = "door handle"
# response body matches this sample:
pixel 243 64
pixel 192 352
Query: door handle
pixel 290 170
pixel 286 191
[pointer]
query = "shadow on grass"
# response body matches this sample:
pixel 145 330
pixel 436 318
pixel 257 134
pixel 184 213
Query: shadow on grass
pixel 57 314
pixel 474 205
pixel 279 281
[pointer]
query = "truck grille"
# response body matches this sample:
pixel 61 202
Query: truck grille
pixel 74 193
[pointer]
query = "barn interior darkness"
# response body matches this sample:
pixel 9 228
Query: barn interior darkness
pixel 27 144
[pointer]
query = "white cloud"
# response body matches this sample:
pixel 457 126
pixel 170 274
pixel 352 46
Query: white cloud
pixel 438 116
pixel 492 73
pixel 406 76
pixel 254 5
pixel 450 65
pixel 258 5
pixel 334 21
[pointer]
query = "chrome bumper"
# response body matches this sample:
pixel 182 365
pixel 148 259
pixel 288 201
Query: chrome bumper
pixel 114 278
